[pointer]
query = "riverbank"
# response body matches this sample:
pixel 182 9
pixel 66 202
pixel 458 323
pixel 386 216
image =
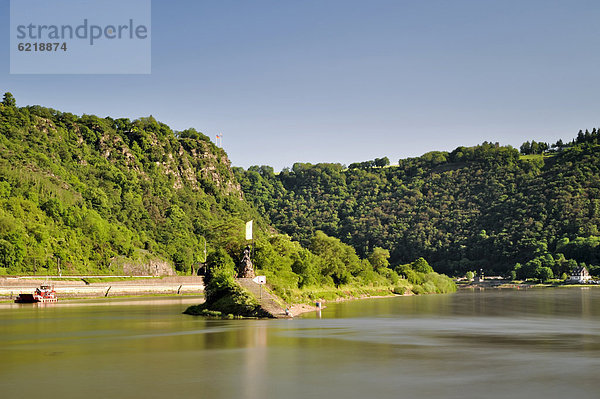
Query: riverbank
pixel 300 308
pixel 507 284
pixel 95 287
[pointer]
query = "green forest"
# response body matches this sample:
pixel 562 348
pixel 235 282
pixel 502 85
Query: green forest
pixel 528 213
pixel 84 194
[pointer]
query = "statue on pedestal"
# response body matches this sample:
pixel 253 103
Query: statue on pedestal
pixel 246 268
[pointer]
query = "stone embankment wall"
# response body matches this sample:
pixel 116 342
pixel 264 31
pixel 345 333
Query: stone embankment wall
pixel 10 287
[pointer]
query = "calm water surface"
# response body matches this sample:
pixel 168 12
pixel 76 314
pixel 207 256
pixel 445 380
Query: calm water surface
pixel 490 344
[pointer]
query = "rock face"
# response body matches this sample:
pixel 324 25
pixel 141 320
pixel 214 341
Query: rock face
pixel 151 268
pixel 246 267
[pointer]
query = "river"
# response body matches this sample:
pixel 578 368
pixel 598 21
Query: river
pixel 537 343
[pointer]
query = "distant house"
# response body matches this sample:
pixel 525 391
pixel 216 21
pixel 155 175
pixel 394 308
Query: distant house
pixel 580 275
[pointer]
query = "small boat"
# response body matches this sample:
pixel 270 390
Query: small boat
pixel 43 294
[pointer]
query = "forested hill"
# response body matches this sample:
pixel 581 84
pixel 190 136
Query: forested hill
pixel 98 194
pixel 110 196
pixel 484 207
pixel 92 194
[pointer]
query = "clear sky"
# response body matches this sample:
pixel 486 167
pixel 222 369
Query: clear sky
pixel 290 81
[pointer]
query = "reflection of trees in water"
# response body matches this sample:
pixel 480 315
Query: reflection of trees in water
pixel 255 361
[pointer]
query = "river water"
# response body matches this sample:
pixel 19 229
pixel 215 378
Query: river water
pixel 542 343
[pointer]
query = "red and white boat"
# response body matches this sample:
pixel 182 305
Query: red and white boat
pixel 43 294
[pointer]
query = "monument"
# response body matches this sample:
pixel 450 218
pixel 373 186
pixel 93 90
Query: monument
pixel 246 268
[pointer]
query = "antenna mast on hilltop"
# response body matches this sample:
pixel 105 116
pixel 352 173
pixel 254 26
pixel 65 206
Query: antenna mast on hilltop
pixel 219 140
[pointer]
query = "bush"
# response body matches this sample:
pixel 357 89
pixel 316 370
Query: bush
pixel 545 274
pixel 220 278
pixel 403 287
pixel 442 284
pixel 430 287
pixel 390 275
pixel 421 266
pixel 418 290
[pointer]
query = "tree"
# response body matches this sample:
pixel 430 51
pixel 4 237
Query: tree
pixel 8 256
pixel 381 162
pixel 379 258
pixel 564 276
pixel 421 266
pixel 4 189
pixel 9 100
pixel 340 261
pixel 221 273
pixel 306 267
pixel 545 273
pixel 531 269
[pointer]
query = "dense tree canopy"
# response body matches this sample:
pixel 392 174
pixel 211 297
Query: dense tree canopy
pixel 89 191
pixel 91 194
pixel 475 207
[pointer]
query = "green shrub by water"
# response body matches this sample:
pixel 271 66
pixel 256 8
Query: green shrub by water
pixel 330 269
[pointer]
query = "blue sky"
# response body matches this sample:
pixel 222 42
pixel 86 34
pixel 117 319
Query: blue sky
pixel 290 81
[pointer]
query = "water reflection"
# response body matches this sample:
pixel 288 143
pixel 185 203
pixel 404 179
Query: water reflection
pixel 155 301
pixel 492 344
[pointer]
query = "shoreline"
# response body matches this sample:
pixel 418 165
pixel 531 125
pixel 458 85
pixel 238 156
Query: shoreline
pixel 102 298
pixel 518 286
pixel 301 308
pixel 80 289
pixel 298 309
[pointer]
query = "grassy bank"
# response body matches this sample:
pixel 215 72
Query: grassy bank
pixel 415 284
